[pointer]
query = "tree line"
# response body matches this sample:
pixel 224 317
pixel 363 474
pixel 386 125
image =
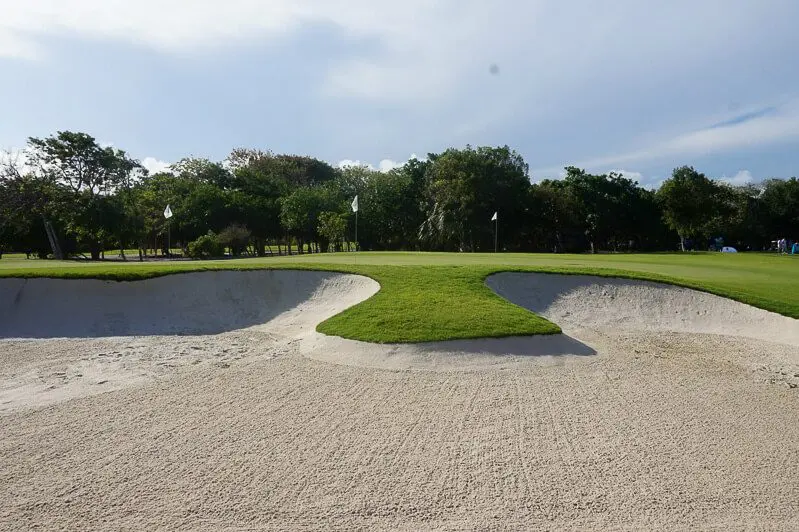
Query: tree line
pixel 67 195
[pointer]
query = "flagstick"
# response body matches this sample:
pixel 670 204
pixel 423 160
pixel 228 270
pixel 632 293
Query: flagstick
pixel 168 215
pixel 496 233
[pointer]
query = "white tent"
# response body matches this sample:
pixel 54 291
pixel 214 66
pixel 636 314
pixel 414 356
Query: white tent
pixel 727 249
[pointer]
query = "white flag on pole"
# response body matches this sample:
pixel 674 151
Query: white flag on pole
pixel 355 204
pixel 167 213
pixel 494 218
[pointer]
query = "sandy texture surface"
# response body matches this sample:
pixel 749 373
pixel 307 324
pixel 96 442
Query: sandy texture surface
pixel 258 313
pixel 639 429
pixel 584 301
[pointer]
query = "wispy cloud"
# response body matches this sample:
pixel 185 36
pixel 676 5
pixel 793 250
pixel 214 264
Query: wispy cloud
pixel 777 124
pixel 745 117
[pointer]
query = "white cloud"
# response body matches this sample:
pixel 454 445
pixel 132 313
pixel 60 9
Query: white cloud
pixel 422 49
pixel 741 178
pixel 430 59
pixel 154 166
pixel 386 165
pixel 635 176
pixel 16 158
pixel 11 45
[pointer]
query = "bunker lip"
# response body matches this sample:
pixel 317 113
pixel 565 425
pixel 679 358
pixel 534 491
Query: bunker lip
pixel 577 302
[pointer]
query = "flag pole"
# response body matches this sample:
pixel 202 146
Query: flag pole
pixel 355 209
pixel 168 215
pixel 495 219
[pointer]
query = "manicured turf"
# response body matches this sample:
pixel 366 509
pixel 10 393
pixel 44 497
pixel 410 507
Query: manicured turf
pixel 440 296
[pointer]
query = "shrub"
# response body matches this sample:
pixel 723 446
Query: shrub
pixel 206 246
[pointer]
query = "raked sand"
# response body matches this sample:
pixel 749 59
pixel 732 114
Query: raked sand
pixel 659 407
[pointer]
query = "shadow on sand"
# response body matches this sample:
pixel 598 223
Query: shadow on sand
pixel 552 345
pixel 181 304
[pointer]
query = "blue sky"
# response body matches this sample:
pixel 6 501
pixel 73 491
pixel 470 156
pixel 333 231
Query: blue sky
pixel 617 85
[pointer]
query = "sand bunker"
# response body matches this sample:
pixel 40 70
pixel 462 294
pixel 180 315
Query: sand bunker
pixel 185 304
pixel 234 424
pixel 600 303
pixel 66 339
pixel 583 306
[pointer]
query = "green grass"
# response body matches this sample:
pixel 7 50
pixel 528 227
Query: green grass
pixel 417 304
pixel 441 296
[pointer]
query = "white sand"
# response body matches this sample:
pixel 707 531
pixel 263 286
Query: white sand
pixel 218 317
pixel 618 423
pixel 581 301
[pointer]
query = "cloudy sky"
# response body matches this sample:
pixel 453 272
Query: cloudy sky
pixel 606 85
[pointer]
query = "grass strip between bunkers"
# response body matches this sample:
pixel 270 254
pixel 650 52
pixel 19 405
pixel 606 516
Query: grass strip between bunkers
pixel 439 296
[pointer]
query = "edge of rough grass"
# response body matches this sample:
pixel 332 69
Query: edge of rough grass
pixel 417 303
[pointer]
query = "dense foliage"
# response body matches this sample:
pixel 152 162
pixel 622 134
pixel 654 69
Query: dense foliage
pixel 68 195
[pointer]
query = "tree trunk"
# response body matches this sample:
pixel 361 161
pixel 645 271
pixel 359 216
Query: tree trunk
pixel 682 243
pixel 94 249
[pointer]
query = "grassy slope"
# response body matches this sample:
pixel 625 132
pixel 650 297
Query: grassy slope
pixel 448 299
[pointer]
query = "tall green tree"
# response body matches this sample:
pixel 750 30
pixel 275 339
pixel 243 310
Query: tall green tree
pixel 780 200
pixel 26 202
pixel 614 212
pixel 301 209
pixel 91 173
pixel 203 170
pixel 553 221
pixel 258 186
pixel 690 201
pixel 465 188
